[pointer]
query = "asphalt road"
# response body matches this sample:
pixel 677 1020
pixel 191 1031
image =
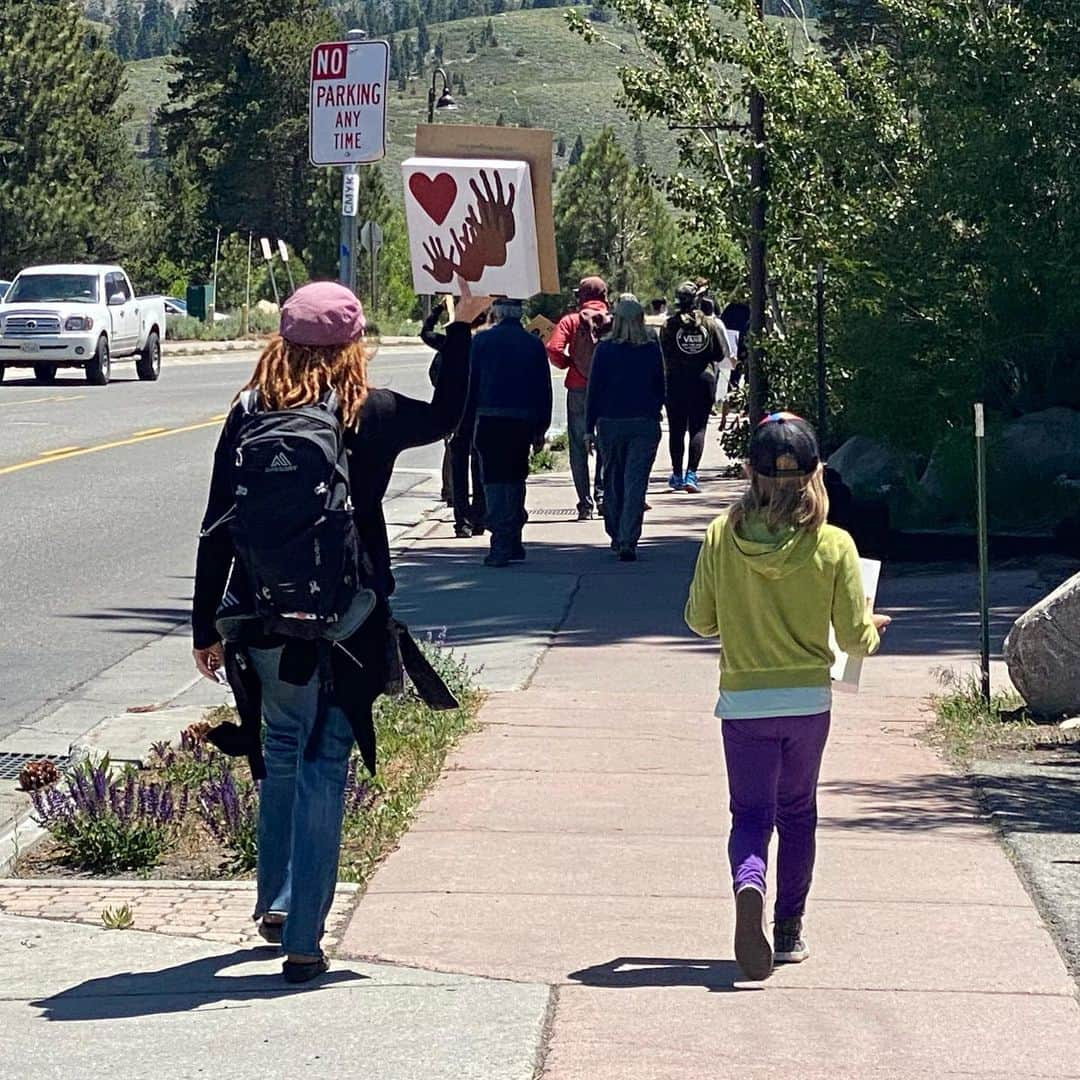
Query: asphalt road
pixel 101 494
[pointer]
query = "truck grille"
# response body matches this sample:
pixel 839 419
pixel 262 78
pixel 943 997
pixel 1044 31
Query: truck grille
pixel 31 325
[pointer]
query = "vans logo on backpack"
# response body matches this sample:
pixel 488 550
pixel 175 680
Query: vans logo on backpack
pixel 280 463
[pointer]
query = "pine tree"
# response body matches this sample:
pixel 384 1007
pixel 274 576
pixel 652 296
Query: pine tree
pixel 472 45
pixel 577 151
pixel 440 49
pixel 608 219
pixel 126 31
pixel 423 38
pixel 560 148
pixel 500 120
pixel 238 111
pixel 69 183
pixel 150 41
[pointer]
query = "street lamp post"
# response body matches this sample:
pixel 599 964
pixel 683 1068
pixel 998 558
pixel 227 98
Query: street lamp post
pixel 444 103
pixel 445 100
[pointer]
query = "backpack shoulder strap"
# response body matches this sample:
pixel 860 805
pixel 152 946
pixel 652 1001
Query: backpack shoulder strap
pixel 249 401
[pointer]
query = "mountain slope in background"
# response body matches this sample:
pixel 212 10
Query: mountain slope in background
pixel 539 74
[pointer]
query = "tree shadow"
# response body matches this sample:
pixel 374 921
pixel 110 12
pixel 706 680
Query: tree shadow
pixel 913 803
pixel 1030 798
pixel 638 972
pixel 176 989
pixel 138 620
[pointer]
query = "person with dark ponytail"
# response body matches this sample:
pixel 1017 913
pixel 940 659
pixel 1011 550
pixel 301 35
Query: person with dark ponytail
pixel 693 347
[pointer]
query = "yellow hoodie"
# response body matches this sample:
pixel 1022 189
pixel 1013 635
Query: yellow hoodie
pixel 770 599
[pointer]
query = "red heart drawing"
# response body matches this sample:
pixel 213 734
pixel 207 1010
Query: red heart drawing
pixel 435 196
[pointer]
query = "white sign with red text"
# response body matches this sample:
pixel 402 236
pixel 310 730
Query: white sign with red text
pixel 348 102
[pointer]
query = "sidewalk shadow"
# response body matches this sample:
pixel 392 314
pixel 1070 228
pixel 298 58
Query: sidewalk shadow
pixel 637 972
pixel 175 989
pixel 915 803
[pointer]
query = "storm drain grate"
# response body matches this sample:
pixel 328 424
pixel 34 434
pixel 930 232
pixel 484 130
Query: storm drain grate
pixel 11 764
pixel 550 514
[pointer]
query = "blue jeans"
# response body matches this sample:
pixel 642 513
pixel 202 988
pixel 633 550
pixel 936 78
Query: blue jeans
pixel 301 804
pixel 576 433
pixel 629 448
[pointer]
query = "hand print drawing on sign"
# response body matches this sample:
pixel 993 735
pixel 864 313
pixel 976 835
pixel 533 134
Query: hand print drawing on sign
pixel 486 228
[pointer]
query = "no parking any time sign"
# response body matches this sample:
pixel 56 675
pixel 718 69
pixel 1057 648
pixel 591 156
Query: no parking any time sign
pixel 348 102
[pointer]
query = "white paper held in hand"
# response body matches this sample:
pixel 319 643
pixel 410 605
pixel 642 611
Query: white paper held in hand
pixel 847 670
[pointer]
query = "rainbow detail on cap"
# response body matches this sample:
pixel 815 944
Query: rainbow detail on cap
pixel 779 417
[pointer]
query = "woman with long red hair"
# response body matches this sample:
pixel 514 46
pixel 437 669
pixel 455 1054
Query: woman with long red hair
pixel 311 701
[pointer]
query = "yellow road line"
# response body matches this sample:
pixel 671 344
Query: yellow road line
pixel 149 431
pixel 61 450
pixel 39 400
pixel 132 440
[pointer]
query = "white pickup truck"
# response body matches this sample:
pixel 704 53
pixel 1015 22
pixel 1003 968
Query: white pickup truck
pixel 79 316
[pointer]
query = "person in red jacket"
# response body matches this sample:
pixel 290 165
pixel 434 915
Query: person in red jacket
pixel 570 348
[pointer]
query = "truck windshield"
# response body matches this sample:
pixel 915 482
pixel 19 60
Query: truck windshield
pixel 54 288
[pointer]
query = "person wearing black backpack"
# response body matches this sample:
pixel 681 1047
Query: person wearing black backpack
pixel 293 581
pixel 570 348
pixel 693 347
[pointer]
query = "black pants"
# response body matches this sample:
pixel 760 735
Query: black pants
pixel 504 444
pixel 469 507
pixel 689 405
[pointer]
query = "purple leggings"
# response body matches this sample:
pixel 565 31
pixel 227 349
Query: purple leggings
pixel 772 767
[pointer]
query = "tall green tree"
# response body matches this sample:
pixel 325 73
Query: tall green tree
pixel 126 30
pixel 838 146
pixel 69 185
pixel 610 220
pixel 238 113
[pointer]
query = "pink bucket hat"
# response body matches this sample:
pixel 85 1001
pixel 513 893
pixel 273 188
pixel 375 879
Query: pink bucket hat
pixel 322 314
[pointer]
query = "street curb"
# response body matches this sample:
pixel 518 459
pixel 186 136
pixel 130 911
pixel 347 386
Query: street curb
pixel 194 885
pixel 211 348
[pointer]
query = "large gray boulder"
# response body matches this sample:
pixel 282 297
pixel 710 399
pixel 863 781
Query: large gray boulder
pixel 1043 653
pixel 873 471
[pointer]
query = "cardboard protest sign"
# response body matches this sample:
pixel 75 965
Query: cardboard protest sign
pixel 847 670
pixel 532 145
pixel 541 326
pixel 471 219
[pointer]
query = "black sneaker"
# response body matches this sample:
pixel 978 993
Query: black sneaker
pixel 518 554
pixel 788 944
pixel 753 953
pixel 627 554
pixel 463 532
pixel 585 513
pixel 496 561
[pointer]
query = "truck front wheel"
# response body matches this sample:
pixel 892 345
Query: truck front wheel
pixel 100 364
pixel 45 373
pixel 148 364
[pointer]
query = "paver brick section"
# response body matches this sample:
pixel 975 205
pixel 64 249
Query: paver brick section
pixel 213 911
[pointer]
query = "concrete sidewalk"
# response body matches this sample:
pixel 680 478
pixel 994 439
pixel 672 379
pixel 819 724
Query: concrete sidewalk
pixel 578 841
pixel 561 906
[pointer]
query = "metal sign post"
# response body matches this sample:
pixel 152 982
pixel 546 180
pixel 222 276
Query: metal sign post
pixel 350 193
pixel 283 252
pixel 268 255
pixel 371 238
pixel 347 122
pixel 984 549
pixel 822 385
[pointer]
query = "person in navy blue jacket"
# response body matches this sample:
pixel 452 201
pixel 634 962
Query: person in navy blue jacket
pixel 626 393
pixel 510 395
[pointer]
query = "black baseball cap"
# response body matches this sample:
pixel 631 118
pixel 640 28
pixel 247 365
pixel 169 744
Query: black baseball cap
pixel 784 445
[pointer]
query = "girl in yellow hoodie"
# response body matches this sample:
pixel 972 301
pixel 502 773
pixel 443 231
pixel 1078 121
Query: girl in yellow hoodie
pixel 771 578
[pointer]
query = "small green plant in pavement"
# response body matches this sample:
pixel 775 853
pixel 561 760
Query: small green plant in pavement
pixel 119 918
pixel 965 724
